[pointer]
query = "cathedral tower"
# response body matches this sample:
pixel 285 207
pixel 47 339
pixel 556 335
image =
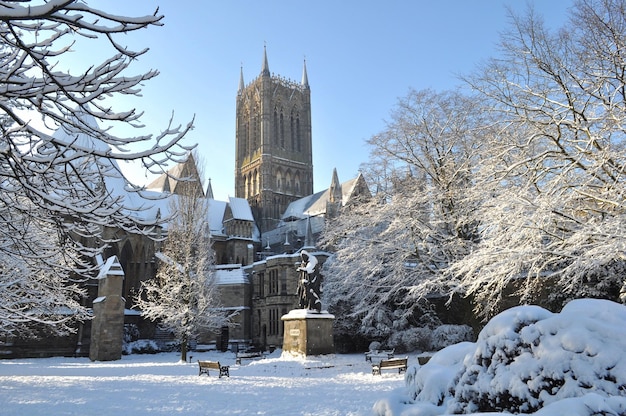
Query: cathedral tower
pixel 274 156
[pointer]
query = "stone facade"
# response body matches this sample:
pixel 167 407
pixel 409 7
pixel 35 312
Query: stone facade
pixel 273 162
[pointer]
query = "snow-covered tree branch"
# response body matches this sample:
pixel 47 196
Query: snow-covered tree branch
pixel 57 150
pixel 517 191
pixel 555 173
pixel 390 250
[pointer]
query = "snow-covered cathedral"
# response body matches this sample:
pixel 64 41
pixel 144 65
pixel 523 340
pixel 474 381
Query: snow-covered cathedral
pixel 257 235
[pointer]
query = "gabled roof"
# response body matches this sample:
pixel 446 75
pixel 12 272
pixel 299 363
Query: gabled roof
pixel 241 209
pixel 181 173
pixel 216 216
pixel 142 205
pixel 316 204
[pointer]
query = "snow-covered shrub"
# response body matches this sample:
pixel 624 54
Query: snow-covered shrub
pixel 141 346
pixel 527 360
pixel 412 339
pixel 426 339
pixel 131 332
pixel 375 345
pixel 445 335
pixel 432 382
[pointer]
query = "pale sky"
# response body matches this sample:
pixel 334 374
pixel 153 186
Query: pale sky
pixel 361 56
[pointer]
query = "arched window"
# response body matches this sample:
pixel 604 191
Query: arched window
pixel 257 183
pixel 275 125
pixel 279 180
pixel 292 131
pixel 288 182
pixel 298 137
pixel 282 130
pixel 255 133
pixel 245 134
pixel 296 183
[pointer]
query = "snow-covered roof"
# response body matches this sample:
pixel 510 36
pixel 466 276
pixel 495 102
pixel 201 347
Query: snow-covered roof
pixel 216 216
pixel 144 205
pixel 241 209
pixel 230 275
pixel 316 204
pixel 291 228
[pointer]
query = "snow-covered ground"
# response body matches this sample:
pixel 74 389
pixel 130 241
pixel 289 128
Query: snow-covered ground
pixel 161 385
pixel 526 360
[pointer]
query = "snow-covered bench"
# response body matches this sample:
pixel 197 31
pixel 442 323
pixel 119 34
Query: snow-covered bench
pixel 394 363
pixel 247 355
pixel 379 353
pixel 215 365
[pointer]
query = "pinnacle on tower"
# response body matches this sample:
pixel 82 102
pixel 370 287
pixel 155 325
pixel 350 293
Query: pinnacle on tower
pixel 209 190
pixel 265 70
pixel 241 83
pixel 305 78
pixel 336 193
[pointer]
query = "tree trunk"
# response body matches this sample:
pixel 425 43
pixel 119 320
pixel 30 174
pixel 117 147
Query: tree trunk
pixel 183 349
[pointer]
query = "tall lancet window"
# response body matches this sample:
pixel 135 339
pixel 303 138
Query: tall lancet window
pixel 275 125
pixel 255 133
pixel 298 136
pixel 292 131
pixel 282 130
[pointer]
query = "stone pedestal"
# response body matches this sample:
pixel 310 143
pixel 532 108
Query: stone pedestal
pixel 308 332
pixel 107 326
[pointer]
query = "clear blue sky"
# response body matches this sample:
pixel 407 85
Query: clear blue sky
pixel 361 56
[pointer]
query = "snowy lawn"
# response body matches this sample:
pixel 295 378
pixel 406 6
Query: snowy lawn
pixel 161 385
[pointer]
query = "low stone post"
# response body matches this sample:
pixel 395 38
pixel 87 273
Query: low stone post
pixel 107 326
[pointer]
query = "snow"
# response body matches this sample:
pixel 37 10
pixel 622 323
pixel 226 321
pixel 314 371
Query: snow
pixel 162 385
pixel 526 360
pixel 230 275
pixel 240 209
pixel 543 363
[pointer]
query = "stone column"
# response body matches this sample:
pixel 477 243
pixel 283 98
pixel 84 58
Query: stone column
pixel 107 326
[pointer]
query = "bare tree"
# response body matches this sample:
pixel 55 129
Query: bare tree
pixel 53 187
pixel 184 296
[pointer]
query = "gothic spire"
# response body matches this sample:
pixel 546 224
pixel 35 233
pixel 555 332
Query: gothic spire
pixel 336 194
pixel 209 190
pixel 265 70
pixel 305 78
pixel 308 238
pixel 241 84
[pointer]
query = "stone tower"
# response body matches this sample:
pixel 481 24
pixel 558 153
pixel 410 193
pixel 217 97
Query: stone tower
pixel 274 156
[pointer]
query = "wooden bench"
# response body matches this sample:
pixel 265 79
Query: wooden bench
pixel 247 355
pixel 379 353
pixel 215 365
pixel 399 363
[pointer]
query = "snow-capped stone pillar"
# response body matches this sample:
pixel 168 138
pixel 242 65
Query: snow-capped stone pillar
pixel 107 326
pixel 308 332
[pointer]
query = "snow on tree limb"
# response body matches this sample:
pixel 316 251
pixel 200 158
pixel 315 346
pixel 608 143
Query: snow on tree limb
pixel 59 191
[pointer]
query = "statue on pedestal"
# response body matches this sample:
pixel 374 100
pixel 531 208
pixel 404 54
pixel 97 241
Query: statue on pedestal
pixel 309 283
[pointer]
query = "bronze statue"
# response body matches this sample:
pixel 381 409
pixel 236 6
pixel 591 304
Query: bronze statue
pixel 310 283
